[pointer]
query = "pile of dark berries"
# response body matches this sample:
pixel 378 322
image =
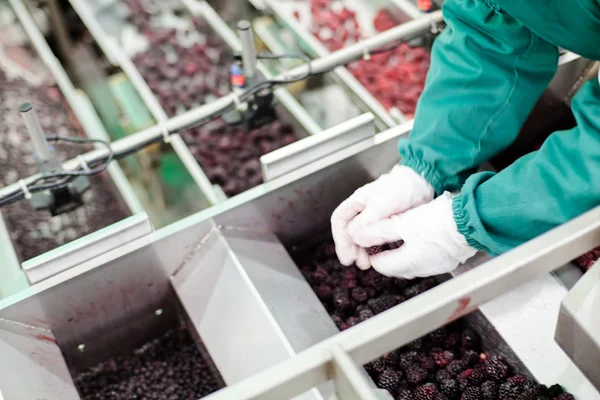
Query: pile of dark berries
pixel 229 155
pixel 185 65
pixel 167 368
pixel 36 232
pixel 587 260
pixel 446 364
pixel 188 66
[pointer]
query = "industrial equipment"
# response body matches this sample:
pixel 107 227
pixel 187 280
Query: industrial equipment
pixel 214 289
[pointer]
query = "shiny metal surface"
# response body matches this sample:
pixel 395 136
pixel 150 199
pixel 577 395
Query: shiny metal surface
pixel 312 148
pixel 87 247
pixel 578 326
pixel 37 135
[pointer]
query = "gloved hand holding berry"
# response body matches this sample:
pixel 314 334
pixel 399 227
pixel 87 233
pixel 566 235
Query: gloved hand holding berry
pixel 432 244
pixel 392 194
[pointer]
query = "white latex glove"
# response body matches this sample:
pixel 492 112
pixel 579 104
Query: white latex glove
pixel 432 243
pixel 393 193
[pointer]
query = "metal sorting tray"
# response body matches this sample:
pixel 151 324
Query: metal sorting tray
pixel 578 330
pixel 401 10
pixel 227 272
pixel 36 76
pixel 113 40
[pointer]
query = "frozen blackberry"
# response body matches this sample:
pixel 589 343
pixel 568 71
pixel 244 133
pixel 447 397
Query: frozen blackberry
pixel 449 387
pixel 441 396
pixel 509 390
pixel 443 358
pixel 438 337
pixel 392 359
pixel 470 340
pixel 415 374
pixel 381 303
pixel 472 393
pixel 408 358
pixel 427 391
pixel 389 380
pixel 518 379
pixel 405 394
pixel 470 377
pixel 320 276
pixel 428 363
pixel 496 368
pixel 375 367
pixel 442 375
pixel 565 396
pixel 456 367
pixel 470 358
pixel 359 294
pixel 489 390
pixel 365 314
pixel 427 283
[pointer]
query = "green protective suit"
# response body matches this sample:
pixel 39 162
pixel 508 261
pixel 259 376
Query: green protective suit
pixel 488 69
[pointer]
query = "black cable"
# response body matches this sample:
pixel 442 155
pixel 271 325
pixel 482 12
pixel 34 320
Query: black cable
pixel 69 176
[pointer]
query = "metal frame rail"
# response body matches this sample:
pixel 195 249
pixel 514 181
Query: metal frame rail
pixel 340 357
pixel 175 124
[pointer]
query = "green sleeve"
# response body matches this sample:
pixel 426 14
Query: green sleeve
pixel 541 190
pixel 487 71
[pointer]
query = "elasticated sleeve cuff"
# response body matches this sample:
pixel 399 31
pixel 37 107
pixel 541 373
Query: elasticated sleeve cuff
pixel 426 171
pixel 466 215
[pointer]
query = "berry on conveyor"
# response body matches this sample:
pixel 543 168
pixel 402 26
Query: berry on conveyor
pixel 489 390
pixel 448 359
pixel 382 303
pixel 415 374
pixel 443 358
pixel 449 387
pixel 470 377
pixel 427 391
pixel 389 380
pixel 497 368
pixel 508 390
pixel 405 394
pixel 456 367
pixel 408 358
pixel 554 391
pixel 472 393
pixel 443 375
pixel 384 247
pixel 376 367
pixel 518 379
pixel 168 367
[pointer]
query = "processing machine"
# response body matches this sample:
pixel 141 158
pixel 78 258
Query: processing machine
pixel 215 286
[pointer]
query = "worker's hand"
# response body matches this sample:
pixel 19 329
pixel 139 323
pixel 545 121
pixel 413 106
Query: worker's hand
pixel 432 243
pixel 393 193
